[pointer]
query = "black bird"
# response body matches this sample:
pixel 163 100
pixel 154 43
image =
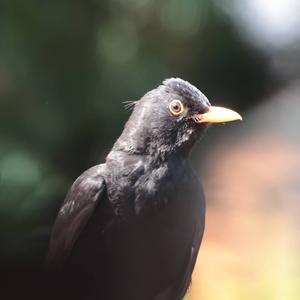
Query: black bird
pixel 131 228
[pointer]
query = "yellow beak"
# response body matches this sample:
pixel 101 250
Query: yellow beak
pixel 217 114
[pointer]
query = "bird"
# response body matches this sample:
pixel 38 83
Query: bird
pixel 131 228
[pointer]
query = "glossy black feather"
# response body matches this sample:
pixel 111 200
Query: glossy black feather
pixel 75 212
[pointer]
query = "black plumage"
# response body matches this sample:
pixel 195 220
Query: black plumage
pixel 131 228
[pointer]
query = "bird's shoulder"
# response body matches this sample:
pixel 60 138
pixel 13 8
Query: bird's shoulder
pixel 84 190
pixel 76 210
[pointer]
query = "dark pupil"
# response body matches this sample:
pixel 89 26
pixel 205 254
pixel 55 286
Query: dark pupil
pixel 176 107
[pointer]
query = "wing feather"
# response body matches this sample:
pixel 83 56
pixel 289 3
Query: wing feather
pixel 77 208
pixel 186 279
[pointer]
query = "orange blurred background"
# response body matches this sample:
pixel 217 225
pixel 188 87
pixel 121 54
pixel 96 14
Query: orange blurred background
pixel 252 181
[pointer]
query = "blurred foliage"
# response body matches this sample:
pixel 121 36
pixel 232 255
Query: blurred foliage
pixel 65 69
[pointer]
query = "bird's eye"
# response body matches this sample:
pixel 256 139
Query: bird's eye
pixel 176 107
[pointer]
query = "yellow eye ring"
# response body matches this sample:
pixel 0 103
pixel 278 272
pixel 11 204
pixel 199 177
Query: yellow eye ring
pixel 176 107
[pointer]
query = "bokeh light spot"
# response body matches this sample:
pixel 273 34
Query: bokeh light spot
pixel 118 41
pixel 19 169
pixel 183 17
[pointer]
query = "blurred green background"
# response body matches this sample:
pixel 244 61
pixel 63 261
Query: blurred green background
pixel 66 67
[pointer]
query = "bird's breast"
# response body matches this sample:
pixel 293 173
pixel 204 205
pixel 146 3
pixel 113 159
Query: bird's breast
pixel 141 189
pixel 150 234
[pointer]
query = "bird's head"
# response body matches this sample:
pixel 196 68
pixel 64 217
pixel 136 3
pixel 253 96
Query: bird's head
pixel 169 119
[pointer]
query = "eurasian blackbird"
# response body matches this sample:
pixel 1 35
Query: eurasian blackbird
pixel 131 228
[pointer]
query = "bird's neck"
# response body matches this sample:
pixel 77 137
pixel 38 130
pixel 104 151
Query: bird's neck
pixel 156 148
pixel 156 151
